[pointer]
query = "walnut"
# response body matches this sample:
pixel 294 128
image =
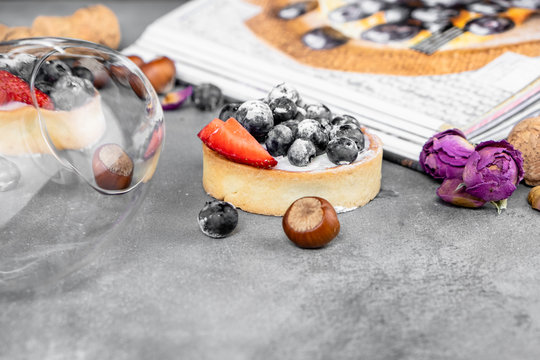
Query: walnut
pixel 525 137
pixel 96 23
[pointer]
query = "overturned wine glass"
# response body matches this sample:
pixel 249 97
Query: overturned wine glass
pixel 81 132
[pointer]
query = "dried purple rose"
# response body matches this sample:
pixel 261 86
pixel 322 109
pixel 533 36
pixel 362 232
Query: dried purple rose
pixel 493 171
pixel 453 191
pixel 445 154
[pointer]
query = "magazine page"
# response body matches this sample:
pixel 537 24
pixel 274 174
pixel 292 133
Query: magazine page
pixel 403 110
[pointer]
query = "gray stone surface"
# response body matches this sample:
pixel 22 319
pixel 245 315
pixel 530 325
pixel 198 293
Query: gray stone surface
pixel 409 277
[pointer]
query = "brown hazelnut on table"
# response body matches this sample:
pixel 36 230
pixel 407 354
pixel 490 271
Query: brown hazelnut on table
pixel 525 136
pixel 161 72
pixel 311 222
pixel 137 60
pixel 534 197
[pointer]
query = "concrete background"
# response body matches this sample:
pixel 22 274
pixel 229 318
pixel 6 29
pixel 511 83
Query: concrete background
pixel 409 277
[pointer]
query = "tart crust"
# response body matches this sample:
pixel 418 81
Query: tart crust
pixel 271 191
pixel 20 131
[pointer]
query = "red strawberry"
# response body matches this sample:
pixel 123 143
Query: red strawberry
pixel 13 88
pixel 205 133
pixel 155 142
pixel 233 141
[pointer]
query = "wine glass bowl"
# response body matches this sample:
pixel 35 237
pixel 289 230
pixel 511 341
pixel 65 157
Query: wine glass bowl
pixel 76 160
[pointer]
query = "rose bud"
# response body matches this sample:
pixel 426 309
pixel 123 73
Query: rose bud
pixel 445 154
pixel 453 192
pixel 493 171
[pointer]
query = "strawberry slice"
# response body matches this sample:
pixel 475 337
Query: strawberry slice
pixel 233 141
pixel 205 133
pixel 155 142
pixel 13 88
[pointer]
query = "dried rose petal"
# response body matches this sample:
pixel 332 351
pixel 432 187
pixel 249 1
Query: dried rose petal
pixel 175 99
pixel 453 191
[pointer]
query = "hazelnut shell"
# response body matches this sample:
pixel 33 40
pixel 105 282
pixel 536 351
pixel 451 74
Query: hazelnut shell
pixel 525 136
pixel 113 168
pixel 137 60
pixel 161 73
pixel 534 197
pixel 311 222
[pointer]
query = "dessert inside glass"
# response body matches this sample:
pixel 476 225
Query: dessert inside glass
pixel 81 131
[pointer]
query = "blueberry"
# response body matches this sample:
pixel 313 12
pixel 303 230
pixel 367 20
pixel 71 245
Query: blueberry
pixel 351 131
pixel 347 13
pixel 70 92
pixel 301 152
pixel 279 140
pixel 207 96
pixel 294 10
pixel 342 150
pixel 385 33
pixel 319 112
pixel 218 219
pixel 293 125
pixel 487 25
pixel 283 90
pixel 256 117
pixel 324 38
pixel 283 109
pixel 52 70
pixel 83 73
pixel 228 111
pixel 300 113
pixel 345 119
pixel 312 130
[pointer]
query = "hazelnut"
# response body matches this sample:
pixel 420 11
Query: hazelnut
pixel 525 136
pixel 137 60
pixel 113 168
pixel 120 73
pixel 534 197
pixel 161 72
pixel 138 86
pixel 311 222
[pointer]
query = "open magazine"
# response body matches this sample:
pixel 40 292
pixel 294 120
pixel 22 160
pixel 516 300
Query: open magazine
pixel 210 42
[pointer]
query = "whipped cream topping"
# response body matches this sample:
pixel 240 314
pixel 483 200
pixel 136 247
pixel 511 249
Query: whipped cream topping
pixel 12 105
pixel 321 162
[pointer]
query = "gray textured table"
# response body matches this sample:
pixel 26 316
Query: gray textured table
pixel 409 277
